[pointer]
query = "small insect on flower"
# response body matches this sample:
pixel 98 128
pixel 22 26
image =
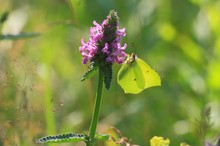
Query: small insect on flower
pixel 135 75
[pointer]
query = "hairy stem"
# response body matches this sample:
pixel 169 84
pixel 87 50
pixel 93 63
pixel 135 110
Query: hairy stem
pixel 96 111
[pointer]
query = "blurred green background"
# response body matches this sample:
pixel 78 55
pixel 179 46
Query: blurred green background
pixel 40 88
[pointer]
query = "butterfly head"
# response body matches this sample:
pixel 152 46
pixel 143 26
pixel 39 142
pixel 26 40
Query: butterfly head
pixel 131 58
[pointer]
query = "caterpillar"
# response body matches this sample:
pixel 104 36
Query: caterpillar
pixel 67 137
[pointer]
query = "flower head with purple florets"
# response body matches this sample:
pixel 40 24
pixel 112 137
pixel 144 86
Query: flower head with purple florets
pixel 103 48
pixel 104 43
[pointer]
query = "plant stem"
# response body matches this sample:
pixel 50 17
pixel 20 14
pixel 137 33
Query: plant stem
pixel 96 111
pixel 49 114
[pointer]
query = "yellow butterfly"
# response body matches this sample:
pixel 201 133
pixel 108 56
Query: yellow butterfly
pixel 135 75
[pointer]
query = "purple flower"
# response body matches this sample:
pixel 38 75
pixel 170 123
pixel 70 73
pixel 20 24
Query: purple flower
pixel 104 43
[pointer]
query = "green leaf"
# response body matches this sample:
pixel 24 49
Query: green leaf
pixel 19 36
pixel 103 137
pixel 107 71
pixel 92 70
pixel 62 138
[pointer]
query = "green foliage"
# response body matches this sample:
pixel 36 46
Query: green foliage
pixel 71 137
pixel 105 68
pixel 180 39
pixel 102 137
pixel 62 138
pixel 92 70
pixel 107 72
pixel 19 36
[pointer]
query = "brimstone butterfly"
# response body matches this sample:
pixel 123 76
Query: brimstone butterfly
pixel 135 75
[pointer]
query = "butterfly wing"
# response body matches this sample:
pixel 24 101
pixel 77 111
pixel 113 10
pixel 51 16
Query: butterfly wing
pixel 128 78
pixel 151 76
pixel 139 76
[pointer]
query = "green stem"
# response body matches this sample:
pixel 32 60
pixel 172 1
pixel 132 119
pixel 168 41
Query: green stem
pixel 49 114
pixel 96 111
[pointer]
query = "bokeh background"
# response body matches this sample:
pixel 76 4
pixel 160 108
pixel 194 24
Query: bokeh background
pixel 40 88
